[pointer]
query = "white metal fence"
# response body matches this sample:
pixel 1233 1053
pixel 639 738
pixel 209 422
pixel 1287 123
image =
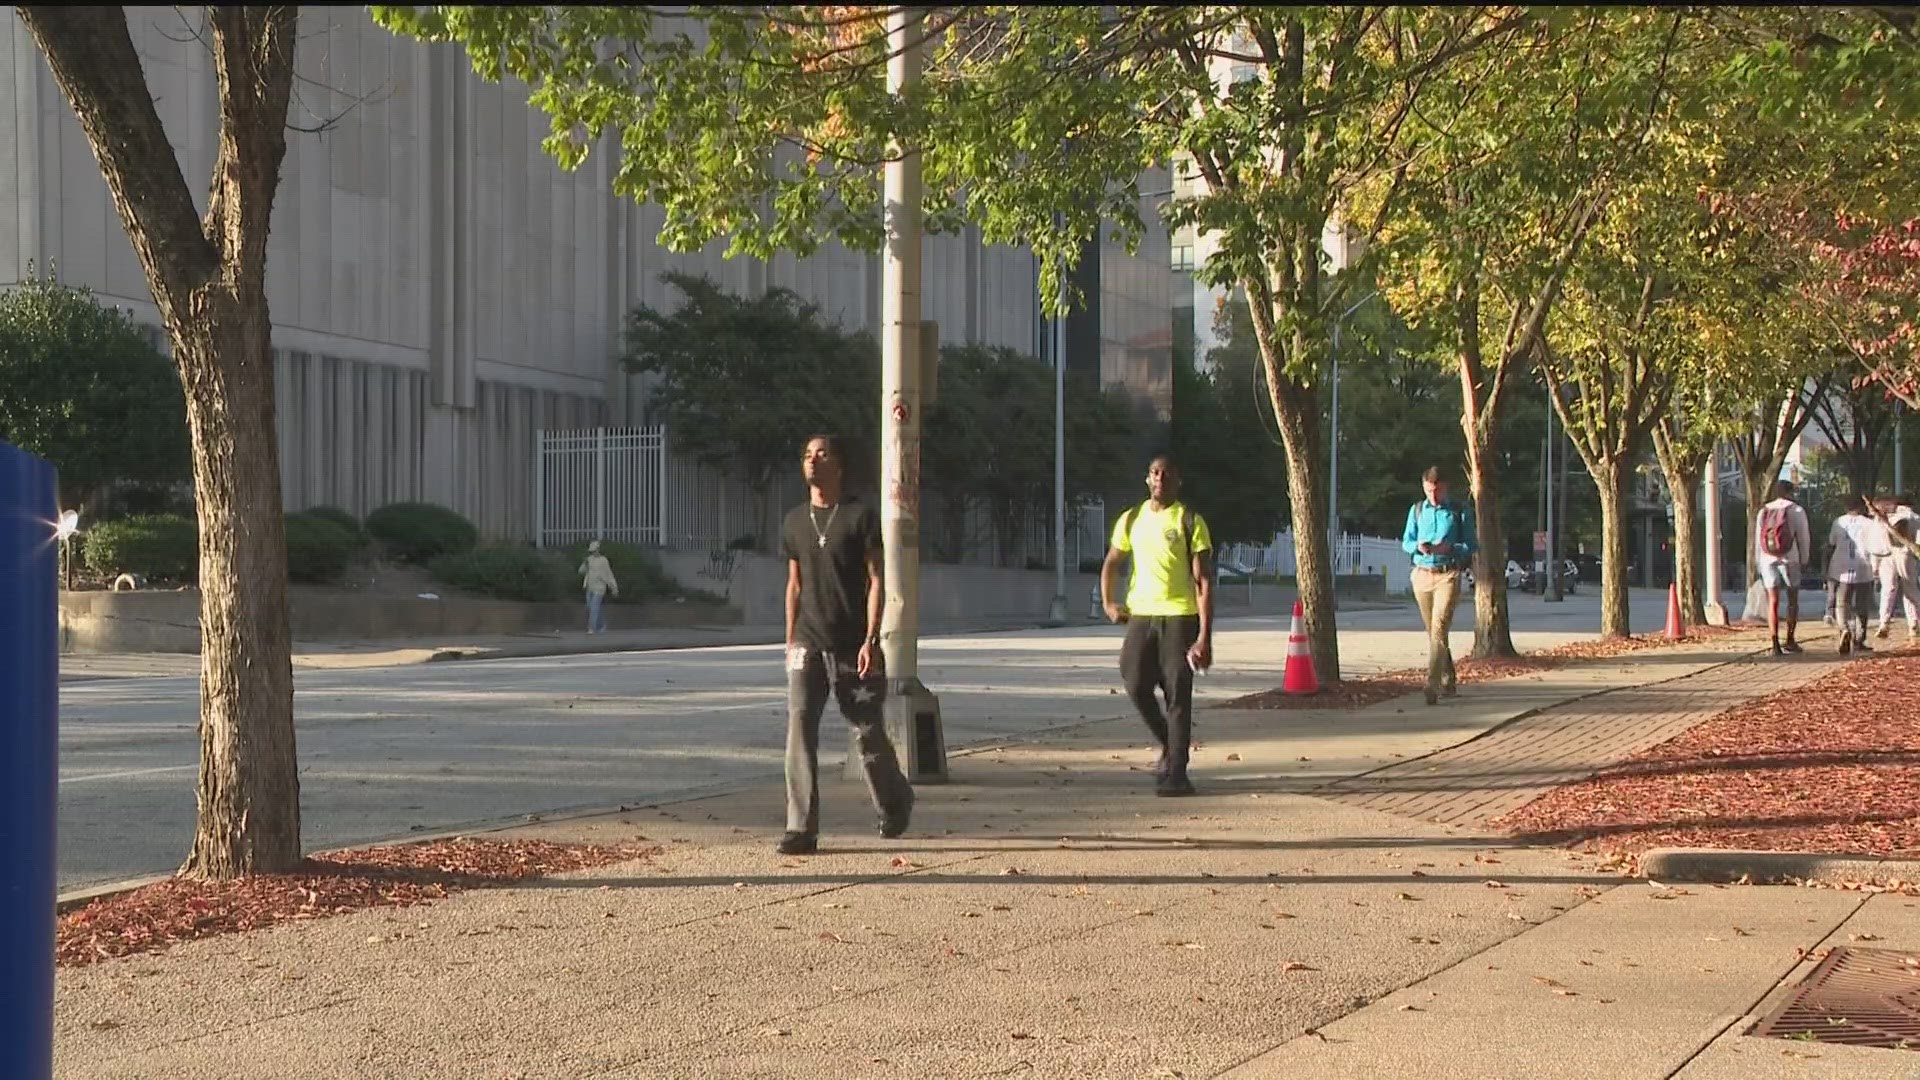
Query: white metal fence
pixel 631 485
pixel 1353 554
pixel 600 483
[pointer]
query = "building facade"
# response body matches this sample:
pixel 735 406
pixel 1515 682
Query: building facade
pixel 440 289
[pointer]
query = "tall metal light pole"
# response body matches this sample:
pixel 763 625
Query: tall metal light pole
pixel 1057 611
pixel 913 713
pixel 1716 612
pixel 1552 553
pixel 1333 457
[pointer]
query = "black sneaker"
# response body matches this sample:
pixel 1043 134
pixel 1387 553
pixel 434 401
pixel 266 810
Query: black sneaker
pixel 1791 646
pixel 1173 786
pixel 1777 650
pixel 894 822
pixel 798 843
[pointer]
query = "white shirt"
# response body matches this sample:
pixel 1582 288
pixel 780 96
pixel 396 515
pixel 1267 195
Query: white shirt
pixel 1849 538
pixel 1802 533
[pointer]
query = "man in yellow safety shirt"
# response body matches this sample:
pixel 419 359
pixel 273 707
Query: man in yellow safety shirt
pixel 1168 614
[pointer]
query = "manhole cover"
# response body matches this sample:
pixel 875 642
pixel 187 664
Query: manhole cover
pixel 1860 997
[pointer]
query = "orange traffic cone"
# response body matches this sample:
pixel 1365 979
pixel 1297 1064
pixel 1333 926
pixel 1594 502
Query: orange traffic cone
pixel 1674 630
pixel 1300 678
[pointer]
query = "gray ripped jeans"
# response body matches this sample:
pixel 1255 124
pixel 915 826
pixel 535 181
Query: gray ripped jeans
pixel 811 674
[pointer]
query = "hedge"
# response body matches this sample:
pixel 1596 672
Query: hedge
pixel 341 518
pixel 159 547
pixel 318 548
pixel 419 533
pixel 504 573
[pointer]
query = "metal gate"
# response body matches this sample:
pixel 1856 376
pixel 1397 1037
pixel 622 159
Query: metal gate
pixel 600 484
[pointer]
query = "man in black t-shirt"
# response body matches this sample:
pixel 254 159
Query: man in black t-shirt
pixel 834 599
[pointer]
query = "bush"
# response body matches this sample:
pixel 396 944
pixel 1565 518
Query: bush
pixel 341 518
pixel 638 570
pixel 163 547
pixel 504 573
pixel 318 548
pixel 419 533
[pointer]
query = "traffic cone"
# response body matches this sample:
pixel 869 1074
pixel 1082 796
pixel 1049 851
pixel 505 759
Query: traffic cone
pixel 1300 678
pixel 1674 630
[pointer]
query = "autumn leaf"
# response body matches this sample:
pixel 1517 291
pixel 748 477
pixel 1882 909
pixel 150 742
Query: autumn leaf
pixel 1295 965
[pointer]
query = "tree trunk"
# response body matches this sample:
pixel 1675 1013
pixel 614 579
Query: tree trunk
pixel 208 278
pixel 1685 485
pixel 1299 421
pixel 249 791
pixel 1492 622
pixel 1611 479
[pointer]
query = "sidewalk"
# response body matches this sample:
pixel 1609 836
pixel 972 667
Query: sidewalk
pixel 1048 917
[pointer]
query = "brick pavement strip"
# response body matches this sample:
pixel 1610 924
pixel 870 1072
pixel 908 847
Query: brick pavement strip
pixel 1510 766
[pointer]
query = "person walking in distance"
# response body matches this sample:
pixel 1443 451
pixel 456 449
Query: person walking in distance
pixel 597 576
pixel 834 599
pixel 1440 537
pixel 1900 570
pixel 1782 544
pixel 1168 614
pixel 1849 567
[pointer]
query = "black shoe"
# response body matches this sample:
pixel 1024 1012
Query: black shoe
pixel 1173 786
pixel 1777 650
pixel 1791 646
pixel 798 843
pixel 1160 767
pixel 894 822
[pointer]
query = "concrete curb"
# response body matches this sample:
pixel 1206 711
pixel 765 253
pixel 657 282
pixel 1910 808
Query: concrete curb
pixel 1731 865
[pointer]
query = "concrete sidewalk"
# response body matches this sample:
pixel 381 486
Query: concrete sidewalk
pixel 1048 917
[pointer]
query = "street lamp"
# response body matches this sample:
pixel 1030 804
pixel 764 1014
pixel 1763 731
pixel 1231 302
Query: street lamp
pixel 1333 463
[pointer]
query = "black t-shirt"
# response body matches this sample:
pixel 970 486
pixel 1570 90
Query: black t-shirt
pixel 833 574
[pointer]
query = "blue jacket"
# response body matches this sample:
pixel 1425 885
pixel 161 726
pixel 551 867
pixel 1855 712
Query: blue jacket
pixel 1449 522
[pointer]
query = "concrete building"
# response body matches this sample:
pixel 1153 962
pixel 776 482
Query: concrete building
pixel 440 289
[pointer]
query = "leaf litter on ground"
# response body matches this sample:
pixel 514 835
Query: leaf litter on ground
pixel 154 917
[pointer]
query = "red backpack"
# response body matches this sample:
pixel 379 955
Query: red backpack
pixel 1776 531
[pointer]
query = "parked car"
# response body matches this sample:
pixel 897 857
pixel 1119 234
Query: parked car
pixel 1517 577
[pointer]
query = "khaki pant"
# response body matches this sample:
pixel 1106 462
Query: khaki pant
pixel 1436 592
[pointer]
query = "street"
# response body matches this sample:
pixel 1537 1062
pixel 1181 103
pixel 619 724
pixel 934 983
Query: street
pixel 390 752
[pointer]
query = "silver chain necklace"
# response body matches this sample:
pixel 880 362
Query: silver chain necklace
pixel 815 522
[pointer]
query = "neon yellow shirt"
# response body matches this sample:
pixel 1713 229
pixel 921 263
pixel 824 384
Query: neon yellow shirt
pixel 1162 566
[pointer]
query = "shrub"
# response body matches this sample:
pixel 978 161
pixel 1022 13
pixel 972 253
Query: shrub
pixel 341 518
pixel 504 573
pixel 419 533
pixel 318 548
pixel 638 570
pixel 164 547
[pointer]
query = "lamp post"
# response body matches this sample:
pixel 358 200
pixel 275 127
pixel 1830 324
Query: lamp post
pixel 913 713
pixel 1333 458
pixel 1057 611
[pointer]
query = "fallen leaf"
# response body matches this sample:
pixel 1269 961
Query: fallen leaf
pixel 1233 757
pixel 1019 1035
pixel 1863 937
pixel 1417 873
pixel 1295 965
pixel 1012 871
pixel 1411 1008
pixel 776 1031
pixel 1492 884
pixel 1405 896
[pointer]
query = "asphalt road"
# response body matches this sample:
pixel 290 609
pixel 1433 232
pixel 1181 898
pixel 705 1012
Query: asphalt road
pixel 390 752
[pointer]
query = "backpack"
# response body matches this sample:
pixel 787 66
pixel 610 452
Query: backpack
pixel 1776 531
pixel 1186 527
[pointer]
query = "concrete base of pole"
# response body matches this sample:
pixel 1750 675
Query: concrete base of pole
pixel 1716 613
pixel 919 740
pixel 1057 611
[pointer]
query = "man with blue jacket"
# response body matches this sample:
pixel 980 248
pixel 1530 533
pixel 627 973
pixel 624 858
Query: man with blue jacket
pixel 1439 536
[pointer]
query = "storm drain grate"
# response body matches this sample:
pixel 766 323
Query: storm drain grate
pixel 1859 997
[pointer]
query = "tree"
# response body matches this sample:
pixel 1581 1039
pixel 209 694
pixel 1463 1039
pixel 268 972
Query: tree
pixel 991 440
pixel 1857 419
pixel 1224 439
pixel 1033 122
pixel 740 380
pixel 208 278
pixel 83 388
pixel 1521 155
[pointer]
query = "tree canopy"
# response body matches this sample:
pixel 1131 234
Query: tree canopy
pixel 81 386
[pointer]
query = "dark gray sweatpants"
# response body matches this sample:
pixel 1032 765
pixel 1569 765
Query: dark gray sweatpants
pixel 811 674
pixel 1153 661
